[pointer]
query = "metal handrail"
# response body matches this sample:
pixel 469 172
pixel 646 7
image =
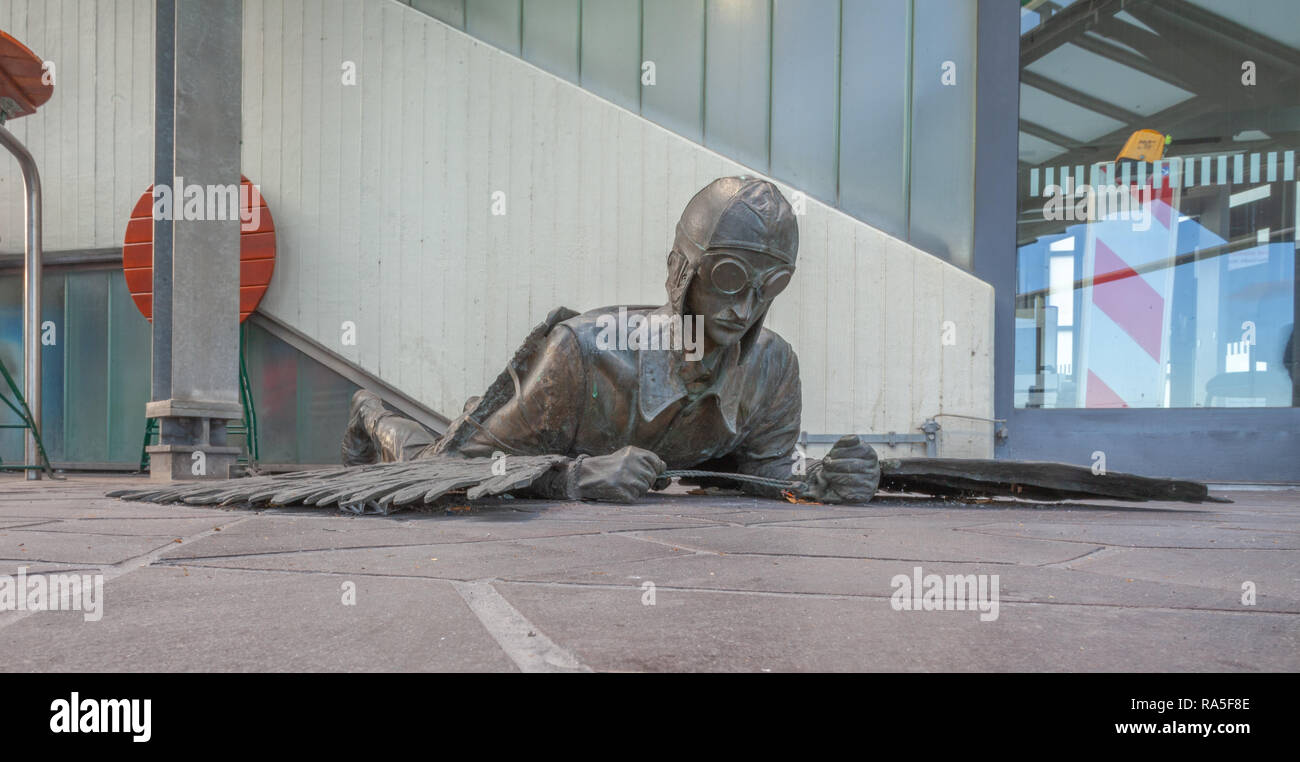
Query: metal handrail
pixel 32 450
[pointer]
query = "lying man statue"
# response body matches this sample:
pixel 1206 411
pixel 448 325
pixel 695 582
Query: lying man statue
pixel 624 411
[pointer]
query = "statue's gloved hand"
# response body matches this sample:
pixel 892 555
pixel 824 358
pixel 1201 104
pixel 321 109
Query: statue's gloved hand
pixel 850 473
pixel 621 477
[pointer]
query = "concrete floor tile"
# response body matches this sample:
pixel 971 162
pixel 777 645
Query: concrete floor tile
pixel 1276 572
pixel 915 541
pixel 74 548
pixel 1134 535
pixel 171 619
pixel 461 560
pixel 707 631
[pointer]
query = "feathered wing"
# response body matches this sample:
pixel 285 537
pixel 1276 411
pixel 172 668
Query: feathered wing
pixel 387 485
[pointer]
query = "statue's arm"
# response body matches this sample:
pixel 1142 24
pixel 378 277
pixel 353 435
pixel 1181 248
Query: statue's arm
pixel 542 417
pixel 849 473
pixel 769 448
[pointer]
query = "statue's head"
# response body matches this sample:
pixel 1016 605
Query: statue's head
pixel 734 252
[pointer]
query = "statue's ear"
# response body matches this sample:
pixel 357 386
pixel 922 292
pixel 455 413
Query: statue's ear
pixel 677 269
pixel 676 264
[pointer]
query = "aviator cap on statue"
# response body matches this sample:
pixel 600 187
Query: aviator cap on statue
pixel 731 213
pixel 738 213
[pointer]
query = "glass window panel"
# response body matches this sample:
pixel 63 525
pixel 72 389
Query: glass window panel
pixel 1178 288
pixel 301 405
pixel 130 345
pixel 11 352
pixel 873 113
pixel 674 40
pixel 941 203
pixel 496 22
pixel 52 364
pixel 85 343
pixel 611 51
pixel 737 80
pixel 324 398
pixel 450 11
pixel 805 73
pixel 551 36
pixel 273 375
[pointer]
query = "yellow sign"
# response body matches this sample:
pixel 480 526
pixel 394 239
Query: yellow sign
pixel 1143 145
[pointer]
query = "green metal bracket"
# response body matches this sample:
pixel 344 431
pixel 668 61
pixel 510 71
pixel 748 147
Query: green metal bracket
pixel 19 406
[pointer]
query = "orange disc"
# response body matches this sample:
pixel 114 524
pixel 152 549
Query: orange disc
pixel 21 77
pixel 256 250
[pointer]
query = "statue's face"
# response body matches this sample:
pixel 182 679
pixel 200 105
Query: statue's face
pixel 731 291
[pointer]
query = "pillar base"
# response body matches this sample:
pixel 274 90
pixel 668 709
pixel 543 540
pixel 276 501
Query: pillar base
pixel 186 429
pixel 170 462
pixel 176 408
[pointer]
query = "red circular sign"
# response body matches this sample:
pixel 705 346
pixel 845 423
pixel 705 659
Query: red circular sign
pixel 22 78
pixel 256 250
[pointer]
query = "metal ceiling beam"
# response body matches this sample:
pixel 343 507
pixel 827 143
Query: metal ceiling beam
pixel 1048 134
pixel 1130 59
pixel 1068 93
pixel 1105 147
pixel 1167 52
pixel 1064 26
pixel 1247 43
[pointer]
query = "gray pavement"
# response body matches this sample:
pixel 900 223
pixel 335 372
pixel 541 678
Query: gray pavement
pixel 678 582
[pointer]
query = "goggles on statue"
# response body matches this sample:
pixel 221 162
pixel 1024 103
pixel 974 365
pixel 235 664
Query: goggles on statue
pixel 731 275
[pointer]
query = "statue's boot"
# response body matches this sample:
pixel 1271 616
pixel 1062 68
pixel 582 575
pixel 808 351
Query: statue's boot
pixel 358 445
pixel 376 434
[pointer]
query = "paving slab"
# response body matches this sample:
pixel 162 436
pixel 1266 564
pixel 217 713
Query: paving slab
pixel 171 619
pixel 162 526
pixel 62 505
pixel 75 548
pixel 461 560
pixel 871 578
pixel 20 523
pixel 741 584
pixel 281 533
pixel 1275 572
pixel 13 566
pixel 1252 497
pixel 1145 535
pixel 988 513
pixel 710 631
pixel 716 510
pixel 878 538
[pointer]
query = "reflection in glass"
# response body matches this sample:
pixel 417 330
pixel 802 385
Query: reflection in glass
pixel 1157 269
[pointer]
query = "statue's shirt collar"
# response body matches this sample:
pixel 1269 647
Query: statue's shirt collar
pixel 663 381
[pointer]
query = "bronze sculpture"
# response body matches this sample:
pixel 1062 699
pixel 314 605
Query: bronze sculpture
pixel 625 413
pixel 610 404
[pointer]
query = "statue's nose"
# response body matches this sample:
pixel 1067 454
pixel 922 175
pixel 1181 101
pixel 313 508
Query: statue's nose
pixel 743 309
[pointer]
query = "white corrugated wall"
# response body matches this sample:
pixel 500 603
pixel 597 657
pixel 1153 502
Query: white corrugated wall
pixel 93 141
pixel 382 193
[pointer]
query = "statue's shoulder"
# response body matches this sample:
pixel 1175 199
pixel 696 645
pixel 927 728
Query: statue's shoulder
pixel 590 324
pixel 602 314
pixel 771 357
pixel 771 341
pixel 770 345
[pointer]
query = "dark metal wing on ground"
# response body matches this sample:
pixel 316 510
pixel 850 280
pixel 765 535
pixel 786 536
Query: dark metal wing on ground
pixel 961 477
pixel 385 485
